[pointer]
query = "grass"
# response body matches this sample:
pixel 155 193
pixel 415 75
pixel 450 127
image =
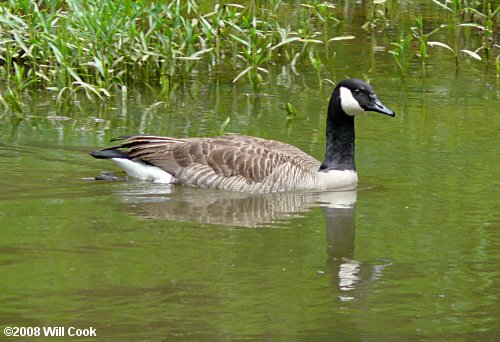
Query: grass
pixel 473 24
pixel 94 47
pixel 403 53
pixel 97 48
pixel 480 18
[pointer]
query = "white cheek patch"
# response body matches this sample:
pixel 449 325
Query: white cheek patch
pixel 348 102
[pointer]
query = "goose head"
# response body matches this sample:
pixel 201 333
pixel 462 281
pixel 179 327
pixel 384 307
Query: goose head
pixel 353 96
pixel 350 98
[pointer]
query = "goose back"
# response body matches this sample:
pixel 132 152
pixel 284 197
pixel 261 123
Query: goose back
pixel 230 162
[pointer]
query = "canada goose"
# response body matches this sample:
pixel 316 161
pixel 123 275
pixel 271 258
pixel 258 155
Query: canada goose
pixel 248 164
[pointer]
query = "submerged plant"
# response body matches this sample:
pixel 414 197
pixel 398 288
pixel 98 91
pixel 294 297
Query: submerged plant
pixel 222 129
pixel 402 53
pixel 497 62
pixel 11 100
pixel 379 15
pixel 255 54
pixel 291 111
pixel 479 20
pixel 422 38
pixel 455 54
pixel 317 64
pixel 485 29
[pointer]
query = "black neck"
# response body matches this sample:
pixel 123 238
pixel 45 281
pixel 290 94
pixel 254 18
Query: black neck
pixel 339 153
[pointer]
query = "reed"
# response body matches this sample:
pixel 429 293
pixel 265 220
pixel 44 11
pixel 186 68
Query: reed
pixel 473 30
pixel 403 53
pixel 497 64
pixel 472 22
pixel 422 38
pixel 94 48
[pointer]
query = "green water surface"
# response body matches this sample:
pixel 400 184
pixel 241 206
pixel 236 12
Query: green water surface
pixel 411 255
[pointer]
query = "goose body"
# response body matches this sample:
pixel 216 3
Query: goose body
pixel 249 164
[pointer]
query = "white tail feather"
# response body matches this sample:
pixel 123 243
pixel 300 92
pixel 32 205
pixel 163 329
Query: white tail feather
pixel 140 170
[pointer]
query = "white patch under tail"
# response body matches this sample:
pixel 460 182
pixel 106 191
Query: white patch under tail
pixel 140 170
pixel 348 102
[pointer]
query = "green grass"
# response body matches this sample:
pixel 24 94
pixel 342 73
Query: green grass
pixel 472 24
pixel 98 47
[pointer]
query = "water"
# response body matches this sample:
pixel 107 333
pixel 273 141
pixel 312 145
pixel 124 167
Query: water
pixel 411 255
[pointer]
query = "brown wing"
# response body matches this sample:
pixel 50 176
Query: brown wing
pixel 233 162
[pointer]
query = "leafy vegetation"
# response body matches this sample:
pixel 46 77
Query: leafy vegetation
pixel 99 48
pixel 94 47
pixel 462 18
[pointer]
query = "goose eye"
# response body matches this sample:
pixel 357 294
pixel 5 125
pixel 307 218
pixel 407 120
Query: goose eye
pixel 357 91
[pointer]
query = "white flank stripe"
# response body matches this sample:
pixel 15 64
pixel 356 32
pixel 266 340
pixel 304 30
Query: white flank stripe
pixel 137 169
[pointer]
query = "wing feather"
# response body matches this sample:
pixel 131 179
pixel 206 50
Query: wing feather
pixel 233 162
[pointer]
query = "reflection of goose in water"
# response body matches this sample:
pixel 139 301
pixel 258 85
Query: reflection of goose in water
pixel 350 274
pixel 226 208
pixel 150 200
